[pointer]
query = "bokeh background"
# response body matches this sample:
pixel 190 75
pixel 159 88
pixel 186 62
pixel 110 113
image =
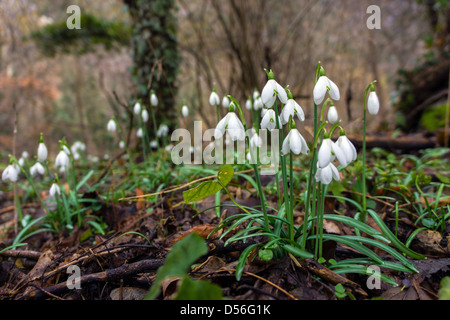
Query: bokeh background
pixel 68 83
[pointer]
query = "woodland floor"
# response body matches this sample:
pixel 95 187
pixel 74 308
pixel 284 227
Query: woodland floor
pixel 117 266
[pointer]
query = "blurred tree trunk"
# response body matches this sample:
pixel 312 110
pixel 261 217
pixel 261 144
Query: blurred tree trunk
pixel 155 54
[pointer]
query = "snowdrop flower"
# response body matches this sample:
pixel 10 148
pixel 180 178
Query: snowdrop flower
pixel 137 108
pixel 256 94
pixel 263 112
pixel 328 150
pixel 62 159
pixel 54 189
pixel 324 85
pixel 163 131
pixel 42 151
pixel 78 145
pixel 290 109
pixel 332 115
pixel 272 90
pixel 347 147
pixel 232 124
pixel 66 150
pixel 225 102
pixel 258 104
pixel 153 144
pixel 25 155
pixel 144 115
pixel 153 99
pixel 373 104
pixel 21 161
pixel 214 99
pixel 139 133
pixel 169 147
pixel 111 126
pixel 327 174
pixel 295 143
pixel 10 173
pixel 37 168
pixel 248 104
pixel 268 121
pixel 184 111
pixel 255 141
pixel 122 144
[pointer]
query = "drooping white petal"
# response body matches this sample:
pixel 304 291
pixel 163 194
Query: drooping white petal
pixel 334 172
pixel 137 108
pixel 268 94
pixel 144 115
pixel 268 121
pixel 62 160
pixel 153 100
pixel 333 91
pixel 248 104
pixel 326 175
pixel 111 126
pixel 347 147
pixel 282 95
pixel 324 155
pixel 320 89
pixel 184 111
pixel 373 104
pixel 339 154
pixel 332 115
pixel 225 102
pixel 214 99
pixel 258 104
pixel 54 189
pixel 42 152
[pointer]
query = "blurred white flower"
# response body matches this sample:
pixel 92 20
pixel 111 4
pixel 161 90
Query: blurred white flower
pixel 54 189
pixel 62 160
pixel 327 174
pixel 214 99
pixel 291 109
pixel 37 168
pixel 10 173
pixel 332 115
pixel 373 104
pixel 225 102
pixel 232 124
pixel 153 99
pixel 137 108
pixel 139 133
pixel 185 111
pixel 144 115
pixel 111 126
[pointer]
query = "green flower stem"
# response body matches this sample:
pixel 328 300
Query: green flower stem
pixel 291 200
pixel 155 126
pixel 122 138
pixel 287 207
pixel 363 215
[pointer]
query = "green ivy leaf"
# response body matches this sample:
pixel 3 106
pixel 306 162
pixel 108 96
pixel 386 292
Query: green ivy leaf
pixel 198 290
pixel 182 255
pixel 208 188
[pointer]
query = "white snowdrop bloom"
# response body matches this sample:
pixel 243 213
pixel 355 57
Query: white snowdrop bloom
pixel 324 85
pixel 263 112
pixel 106 156
pixel 184 111
pixel 327 174
pixel 328 150
pixel 163 130
pixel 295 143
pixel 137 108
pixel 153 144
pixel 214 99
pixel 248 104
pixel 62 160
pixel 332 115
pixel 144 115
pixel 42 152
pixel 373 104
pixel 139 133
pixel 256 95
pixel 25 155
pixel 347 148
pixel 122 144
pixel 271 91
pixel 291 108
pixel 76 146
pixel 255 141
pixel 10 173
pixel 231 124
pixel 111 126
pixel 258 105
pixel 225 102
pixel 153 99
pixel 37 168
pixel 21 162
pixel 269 121
pixel 76 155
pixel 54 189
